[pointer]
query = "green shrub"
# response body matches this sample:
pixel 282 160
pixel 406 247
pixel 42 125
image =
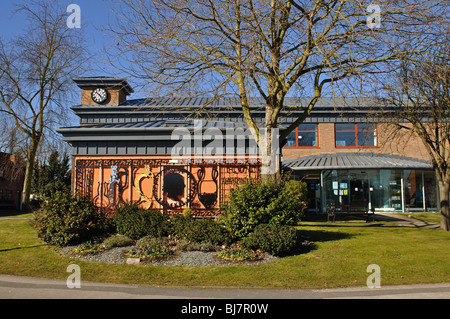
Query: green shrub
pixel 184 245
pixel 237 254
pixel 66 220
pixel 89 248
pixel 187 212
pixel 150 247
pixel 272 238
pixel 262 202
pixel 179 225
pixel 117 240
pixel 135 222
pixel 200 230
pixel 96 245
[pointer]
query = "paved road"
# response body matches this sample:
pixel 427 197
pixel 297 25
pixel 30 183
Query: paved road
pixel 12 287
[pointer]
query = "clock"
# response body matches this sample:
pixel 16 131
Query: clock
pixel 99 95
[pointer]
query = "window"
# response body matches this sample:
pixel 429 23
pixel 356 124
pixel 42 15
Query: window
pixel 356 135
pixel 305 135
pixel 8 195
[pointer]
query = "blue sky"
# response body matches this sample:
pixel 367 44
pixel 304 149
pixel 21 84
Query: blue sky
pixel 95 15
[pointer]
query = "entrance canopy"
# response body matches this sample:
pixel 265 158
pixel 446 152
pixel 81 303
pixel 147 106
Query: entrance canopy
pixel 355 161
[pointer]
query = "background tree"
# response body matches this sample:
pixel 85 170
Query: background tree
pixel 35 74
pixel 270 49
pixel 416 98
pixel 52 176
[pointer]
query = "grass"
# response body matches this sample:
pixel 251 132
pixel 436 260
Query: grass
pixel 339 258
pixel 426 217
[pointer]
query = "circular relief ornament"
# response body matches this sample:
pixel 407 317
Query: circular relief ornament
pixel 169 187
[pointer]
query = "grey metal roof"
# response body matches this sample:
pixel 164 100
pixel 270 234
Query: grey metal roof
pixel 156 125
pixel 172 102
pixel 150 132
pixel 327 110
pixel 152 137
pixel 355 161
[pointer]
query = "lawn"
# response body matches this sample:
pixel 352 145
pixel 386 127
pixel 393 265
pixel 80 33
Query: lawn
pixel 338 257
pixel 426 217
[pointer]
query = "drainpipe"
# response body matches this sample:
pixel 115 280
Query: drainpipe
pixel 402 193
pixel 322 194
pixel 423 194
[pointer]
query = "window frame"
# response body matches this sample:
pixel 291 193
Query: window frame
pixel 296 131
pixel 356 131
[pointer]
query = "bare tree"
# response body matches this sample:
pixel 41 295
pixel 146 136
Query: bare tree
pixel 416 99
pixel 265 48
pixel 35 73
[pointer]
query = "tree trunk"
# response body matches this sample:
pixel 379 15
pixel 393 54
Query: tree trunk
pixel 270 154
pixel 25 205
pixel 444 203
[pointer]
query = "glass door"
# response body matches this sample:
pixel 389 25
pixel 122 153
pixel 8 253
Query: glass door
pixel 430 186
pixel 359 189
pixel 413 191
pixel 313 185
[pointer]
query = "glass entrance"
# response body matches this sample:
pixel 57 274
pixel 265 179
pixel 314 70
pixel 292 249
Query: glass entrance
pixel 313 185
pixel 413 190
pixel 359 189
pixel 383 190
pixel 431 191
pixel 312 180
pixel 347 188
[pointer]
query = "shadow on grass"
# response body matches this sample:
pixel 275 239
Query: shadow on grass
pixel 10 213
pixel 322 236
pixel 352 221
pixel 309 238
pixel 24 247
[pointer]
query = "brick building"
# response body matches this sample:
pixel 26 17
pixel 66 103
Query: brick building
pixel 355 160
pixel 124 150
pixel 11 182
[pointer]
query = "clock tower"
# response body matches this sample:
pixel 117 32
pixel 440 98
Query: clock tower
pixel 103 90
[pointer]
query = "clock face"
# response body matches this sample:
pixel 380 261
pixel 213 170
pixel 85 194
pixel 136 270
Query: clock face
pixel 99 95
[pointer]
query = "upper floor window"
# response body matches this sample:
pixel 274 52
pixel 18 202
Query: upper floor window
pixel 305 135
pixel 356 135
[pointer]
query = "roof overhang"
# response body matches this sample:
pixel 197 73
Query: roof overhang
pixel 104 82
pixel 153 130
pixel 355 161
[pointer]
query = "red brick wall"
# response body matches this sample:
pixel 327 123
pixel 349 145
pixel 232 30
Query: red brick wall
pixel 11 182
pixel 389 142
pixel 115 96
